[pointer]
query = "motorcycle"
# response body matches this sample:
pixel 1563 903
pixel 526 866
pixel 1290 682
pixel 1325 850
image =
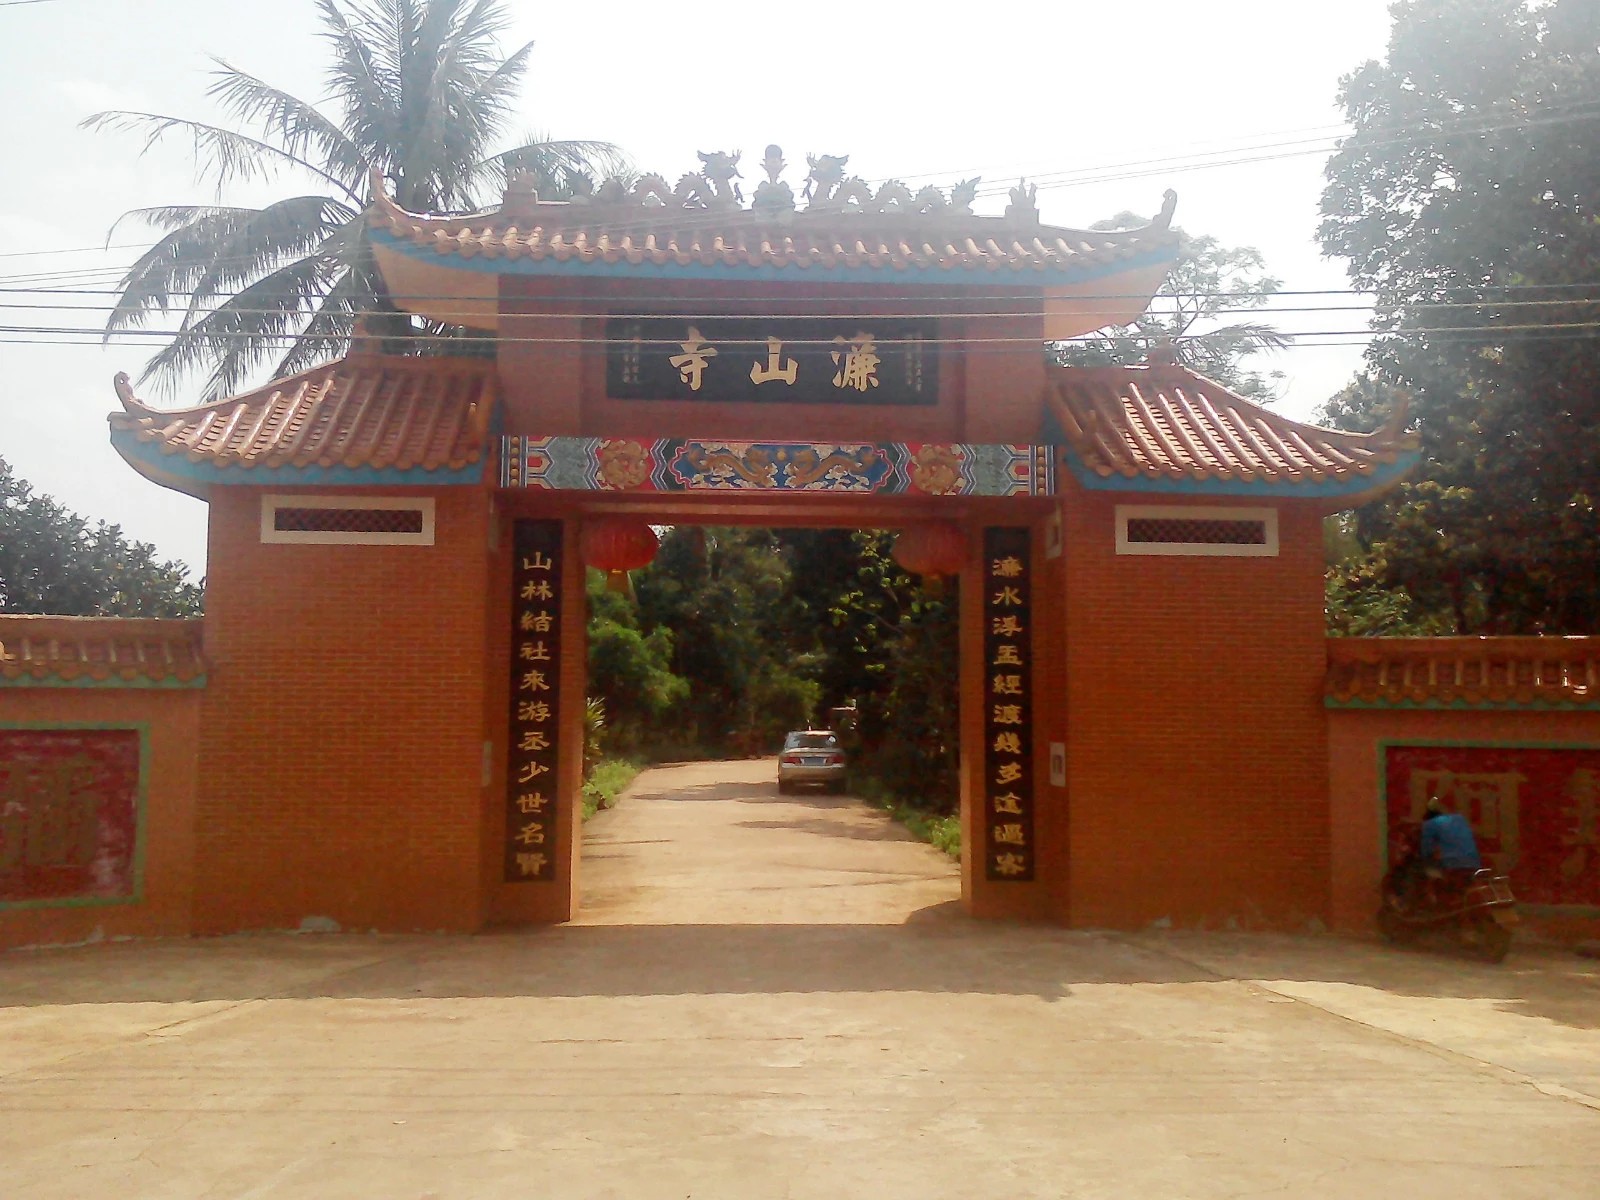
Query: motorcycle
pixel 1475 908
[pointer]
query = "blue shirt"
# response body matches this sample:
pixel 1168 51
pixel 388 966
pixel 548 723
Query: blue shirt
pixel 1447 840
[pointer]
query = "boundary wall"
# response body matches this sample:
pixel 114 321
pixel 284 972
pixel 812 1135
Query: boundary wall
pixel 64 676
pixel 1506 730
pixel 1532 705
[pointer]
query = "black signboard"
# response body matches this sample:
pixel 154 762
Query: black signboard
pixel 534 745
pixel 786 360
pixel 1007 705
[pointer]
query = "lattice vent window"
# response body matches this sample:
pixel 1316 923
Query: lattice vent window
pixel 1208 532
pixel 347 520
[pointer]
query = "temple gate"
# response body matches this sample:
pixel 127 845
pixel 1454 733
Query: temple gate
pixel 389 730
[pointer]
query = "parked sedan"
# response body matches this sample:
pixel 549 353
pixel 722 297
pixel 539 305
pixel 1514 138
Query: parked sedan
pixel 811 756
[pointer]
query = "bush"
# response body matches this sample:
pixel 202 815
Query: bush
pixel 608 780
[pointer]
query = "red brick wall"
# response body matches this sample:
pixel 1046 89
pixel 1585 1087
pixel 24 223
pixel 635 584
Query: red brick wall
pixel 1355 790
pixel 1197 742
pixel 341 745
pixel 172 718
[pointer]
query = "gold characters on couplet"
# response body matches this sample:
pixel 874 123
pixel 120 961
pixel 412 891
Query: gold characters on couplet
pixel 533 737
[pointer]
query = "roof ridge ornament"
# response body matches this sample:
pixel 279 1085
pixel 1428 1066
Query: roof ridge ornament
pixel 1024 206
pixel 827 190
pixel 130 403
pixel 1169 205
pixel 773 195
pixel 521 198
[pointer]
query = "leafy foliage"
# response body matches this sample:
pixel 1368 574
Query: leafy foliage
pixel 739 635
pixel 1466 200
pixel 605 781
pixel 725 594
pixel 1209 283
pixel 889 646
pixel 630 673
pixel 423 94
pixel 54 561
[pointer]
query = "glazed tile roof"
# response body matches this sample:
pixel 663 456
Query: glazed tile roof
pixel 1463 672
pixel 615 235
pixel 1166 424
pixel 364 411
pixel 109 651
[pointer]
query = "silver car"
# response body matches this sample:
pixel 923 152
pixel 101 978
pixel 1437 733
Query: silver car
pixel 811 756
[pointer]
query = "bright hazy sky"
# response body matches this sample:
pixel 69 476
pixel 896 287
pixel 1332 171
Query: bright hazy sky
pixel 932 92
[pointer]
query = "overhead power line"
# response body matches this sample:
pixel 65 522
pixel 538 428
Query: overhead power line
pixel 1238 155
pixel 971 314
pixel 1488 332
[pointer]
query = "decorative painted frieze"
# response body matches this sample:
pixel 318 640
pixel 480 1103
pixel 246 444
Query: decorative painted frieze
pixel 865 468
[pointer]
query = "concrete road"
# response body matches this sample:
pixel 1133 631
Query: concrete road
pixel 778 997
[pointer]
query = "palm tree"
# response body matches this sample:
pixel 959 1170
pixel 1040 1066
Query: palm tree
pixel 424 95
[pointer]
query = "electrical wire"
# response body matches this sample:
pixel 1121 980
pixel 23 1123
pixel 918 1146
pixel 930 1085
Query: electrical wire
pixel 1443 331
pixel 689 220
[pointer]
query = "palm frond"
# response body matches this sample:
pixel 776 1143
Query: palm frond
pixel 364 78
pixel 228 155
pixel 168 268
pixel 267 238
pixel 216 249
pixel 327 334
pixel 298 126
pixel 496 92
pixel 240 334
pixel 553 164
pixel 423 93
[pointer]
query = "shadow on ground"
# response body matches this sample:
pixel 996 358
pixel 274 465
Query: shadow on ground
pixel 744 792
pixel 939 950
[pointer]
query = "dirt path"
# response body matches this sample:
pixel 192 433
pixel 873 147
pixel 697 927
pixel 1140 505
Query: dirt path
pixel 779 998
pixel 715 842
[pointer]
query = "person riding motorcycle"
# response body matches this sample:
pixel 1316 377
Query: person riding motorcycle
pixel 1447 841
pixel 1444 847
pixel 1438 883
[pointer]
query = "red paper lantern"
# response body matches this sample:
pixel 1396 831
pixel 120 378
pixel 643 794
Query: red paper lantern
pixel 933 551
pixel 617 545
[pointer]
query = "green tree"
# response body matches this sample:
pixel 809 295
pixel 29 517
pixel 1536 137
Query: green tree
pixel 850 596
pixel 737 635
pixel 419 91
pixel 891 647
pixel 1209 283
pixel 629 670
pixel 1467 200
pixel 54 561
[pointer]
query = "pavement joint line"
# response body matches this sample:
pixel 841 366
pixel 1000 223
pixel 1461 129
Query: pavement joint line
pixel 43 1071
pixel 1554 1091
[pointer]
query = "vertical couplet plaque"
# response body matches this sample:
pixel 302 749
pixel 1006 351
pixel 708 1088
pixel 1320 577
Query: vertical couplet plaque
pixel 1007 705
pixel 534 744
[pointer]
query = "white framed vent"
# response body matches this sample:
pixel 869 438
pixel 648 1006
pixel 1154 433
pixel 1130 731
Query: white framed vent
pixel 1202 532
pixel 348 520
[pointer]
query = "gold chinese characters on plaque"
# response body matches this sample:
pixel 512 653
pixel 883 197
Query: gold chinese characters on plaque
pixel 1007 705
pixel 534 745
pixel 783 358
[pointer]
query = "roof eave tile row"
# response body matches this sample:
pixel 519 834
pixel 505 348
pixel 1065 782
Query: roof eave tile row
pixel 1170 424
pixel 366 410
pixel 1463 672
pixel 103 651
pixel 740 238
